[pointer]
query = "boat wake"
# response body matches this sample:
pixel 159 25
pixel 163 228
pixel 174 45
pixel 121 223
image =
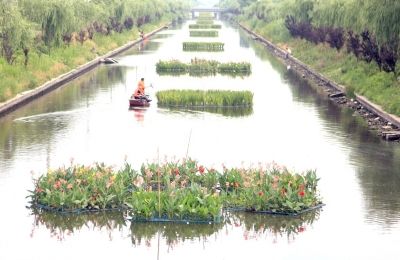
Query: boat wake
pixel 47 116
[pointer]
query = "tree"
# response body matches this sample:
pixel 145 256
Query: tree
pixel 14 31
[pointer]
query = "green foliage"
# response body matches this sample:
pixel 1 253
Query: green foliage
pixel 176 190
pixel 204 26
pixel 199 67
pixel 203 33
pixel 38 37
pixel 201 98
pixel 266 17
pixel 203 46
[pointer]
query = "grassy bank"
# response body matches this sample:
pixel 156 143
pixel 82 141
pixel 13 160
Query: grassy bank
pixel 42 67
pixel 365 78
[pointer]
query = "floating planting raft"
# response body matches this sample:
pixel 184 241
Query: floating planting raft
pixel 203 33
pixel 182 191
pixel 204 98
pixel 203 46
pixel 204 26
pixel 200 67
pixel 204 21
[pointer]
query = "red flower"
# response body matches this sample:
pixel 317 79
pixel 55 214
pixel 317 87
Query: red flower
pixel 301 193
pixel 301 229
pixel 260 193
pixel 176 171
pixel 57 185
pixel 201 169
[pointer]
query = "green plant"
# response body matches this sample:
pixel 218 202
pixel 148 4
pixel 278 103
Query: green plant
pixel 203 46
pixel 196 98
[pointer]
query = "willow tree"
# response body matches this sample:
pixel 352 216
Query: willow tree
pixel 57 22
pixel 14 31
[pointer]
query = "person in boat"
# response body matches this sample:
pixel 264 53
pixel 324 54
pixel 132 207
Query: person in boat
pixel 140 91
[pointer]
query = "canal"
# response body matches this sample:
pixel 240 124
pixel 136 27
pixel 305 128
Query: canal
pixel 88 121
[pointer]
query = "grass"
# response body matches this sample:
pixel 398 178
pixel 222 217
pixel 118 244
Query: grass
pixel 203 46
pixel 357 76
pixel 42 67
pixel 201 98
pixel 199 67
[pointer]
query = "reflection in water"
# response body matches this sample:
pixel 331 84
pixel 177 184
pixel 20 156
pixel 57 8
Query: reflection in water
pixel 380 186
pixel 253 226
pixel 60 225
pixel 258 225
pixel 225 111
pixel 38 123
pixel 138 113
pixel 172 233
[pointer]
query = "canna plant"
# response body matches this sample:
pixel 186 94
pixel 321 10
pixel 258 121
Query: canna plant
pixel 180 190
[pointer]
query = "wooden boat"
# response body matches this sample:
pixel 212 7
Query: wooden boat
pixel 135 102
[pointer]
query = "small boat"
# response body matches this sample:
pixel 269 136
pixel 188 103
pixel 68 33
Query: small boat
pixel 139 102
pixel 109 61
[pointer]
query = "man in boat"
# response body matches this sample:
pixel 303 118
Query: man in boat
pixel 139 92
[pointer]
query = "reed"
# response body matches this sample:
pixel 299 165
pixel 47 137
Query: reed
pixel 203 46
pixel 204 26
pixel 204 98
pixel 203 33
pixel 199 67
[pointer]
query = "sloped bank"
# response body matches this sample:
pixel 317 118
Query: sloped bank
pixel 30 95
pixel 387 125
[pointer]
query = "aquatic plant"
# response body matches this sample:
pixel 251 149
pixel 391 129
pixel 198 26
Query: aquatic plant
pixel 204 26
pixel 182 190
pixel 204 21
pixel 203 46
pixel 203 33
pixel 201 98
pixel 198 67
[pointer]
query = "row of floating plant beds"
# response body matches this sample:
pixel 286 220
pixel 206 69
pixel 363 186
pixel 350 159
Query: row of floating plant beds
pixel 203 67
pixel 175 191
pixel 203 33
pixel 204 98
pixel 203 46
pixel 204 26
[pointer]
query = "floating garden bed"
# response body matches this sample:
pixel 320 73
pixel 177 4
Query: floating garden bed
pixel 199 67
pixel 205 21
pixel 203 46
pixel 181 191
pixel 201 98
pixel 204 26
pixel 203 33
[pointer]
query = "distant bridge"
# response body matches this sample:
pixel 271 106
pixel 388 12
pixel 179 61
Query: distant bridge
pixel 215 10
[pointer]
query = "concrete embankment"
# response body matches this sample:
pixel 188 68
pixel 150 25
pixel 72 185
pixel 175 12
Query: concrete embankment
pixel 388 123
pixel 27 96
